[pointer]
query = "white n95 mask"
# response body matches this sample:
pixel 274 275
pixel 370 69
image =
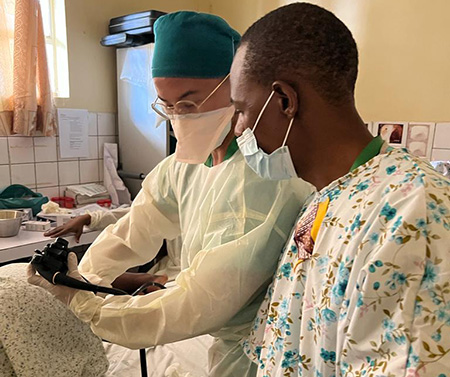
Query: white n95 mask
pixel 200 133
pixel 275 166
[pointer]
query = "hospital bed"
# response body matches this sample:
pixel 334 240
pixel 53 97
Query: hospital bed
pixel 187 358
pixel 191 356
pixel 83 348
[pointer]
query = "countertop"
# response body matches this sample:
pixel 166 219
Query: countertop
pixel 24 244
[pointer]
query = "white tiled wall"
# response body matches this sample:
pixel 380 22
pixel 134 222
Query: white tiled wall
pixel 23 174
pixel 20 149
pixel 45 149
pixel 4 156
pixel 5 175
pixel 441 147
pixel 36 161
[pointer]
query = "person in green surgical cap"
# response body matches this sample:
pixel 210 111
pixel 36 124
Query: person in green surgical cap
pixel 233 223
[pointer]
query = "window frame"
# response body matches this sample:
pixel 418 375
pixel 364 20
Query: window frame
pixel 56 40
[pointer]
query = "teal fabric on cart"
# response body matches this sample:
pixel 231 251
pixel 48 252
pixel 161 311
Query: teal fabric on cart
pixel 19 196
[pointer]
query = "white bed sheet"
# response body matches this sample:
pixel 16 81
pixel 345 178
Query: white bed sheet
pixel 191 355
pixel 187 358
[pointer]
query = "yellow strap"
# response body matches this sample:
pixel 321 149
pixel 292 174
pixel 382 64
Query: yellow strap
pixel 321 212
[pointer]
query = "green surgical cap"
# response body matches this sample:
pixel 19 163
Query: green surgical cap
pixel 193 45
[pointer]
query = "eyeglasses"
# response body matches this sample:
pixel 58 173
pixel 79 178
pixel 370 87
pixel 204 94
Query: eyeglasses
pixel 182 107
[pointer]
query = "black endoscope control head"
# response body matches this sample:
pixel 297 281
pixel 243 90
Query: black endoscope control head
pixel 52 259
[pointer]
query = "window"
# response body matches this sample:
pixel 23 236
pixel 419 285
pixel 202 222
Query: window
pixel 54 19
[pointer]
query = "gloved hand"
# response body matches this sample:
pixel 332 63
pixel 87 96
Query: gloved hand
pixel 61 292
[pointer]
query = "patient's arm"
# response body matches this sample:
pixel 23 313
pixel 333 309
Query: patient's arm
pixel 97 220
pixel 131 281
pixel 74 225
pixel 137 237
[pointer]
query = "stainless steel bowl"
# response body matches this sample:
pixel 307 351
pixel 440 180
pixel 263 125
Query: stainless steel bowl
pixel 10 222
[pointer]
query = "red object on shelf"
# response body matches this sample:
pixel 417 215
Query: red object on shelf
pixel 59 200
pixel 64 201
pixel 104 203
pixel 69 202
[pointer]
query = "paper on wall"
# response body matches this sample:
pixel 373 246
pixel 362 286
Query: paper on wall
pixel 73 133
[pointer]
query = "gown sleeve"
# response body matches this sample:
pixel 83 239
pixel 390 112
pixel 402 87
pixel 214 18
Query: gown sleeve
pixel 101 219
pixel 137 237
pixel 218 283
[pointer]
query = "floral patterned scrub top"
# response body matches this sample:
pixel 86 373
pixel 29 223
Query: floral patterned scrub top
pixel 363 287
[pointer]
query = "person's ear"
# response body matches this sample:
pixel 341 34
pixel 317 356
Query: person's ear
pixel 287 98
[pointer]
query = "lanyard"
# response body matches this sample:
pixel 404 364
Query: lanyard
pixel 231 150
pixel 370 151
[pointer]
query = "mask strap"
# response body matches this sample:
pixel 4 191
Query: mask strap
pixel 262 110
pixel 215 90
pixel 288 131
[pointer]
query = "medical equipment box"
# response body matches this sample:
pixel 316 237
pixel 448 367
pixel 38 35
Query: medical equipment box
pixel 132 30
pixel 37 226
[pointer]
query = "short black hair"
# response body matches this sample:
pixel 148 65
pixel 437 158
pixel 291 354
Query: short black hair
pixel 305 40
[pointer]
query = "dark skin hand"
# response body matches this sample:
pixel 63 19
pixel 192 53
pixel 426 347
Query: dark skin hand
pixel 131 281
pixel 75 226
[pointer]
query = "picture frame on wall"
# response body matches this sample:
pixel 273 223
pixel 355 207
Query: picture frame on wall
pixel 369 126
pixel 442 135
pixel 394 133
pixel 419 140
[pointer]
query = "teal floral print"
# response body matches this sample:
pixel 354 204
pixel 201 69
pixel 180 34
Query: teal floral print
pixel 388 212
pixel 374 297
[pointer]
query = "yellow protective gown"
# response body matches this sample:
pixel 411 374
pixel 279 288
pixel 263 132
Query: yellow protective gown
pixel 101 219
pixel 233 225
pixel 168 265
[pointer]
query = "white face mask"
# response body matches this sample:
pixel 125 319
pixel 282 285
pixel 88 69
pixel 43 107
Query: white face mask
pixel 275 166
pixel 200 133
